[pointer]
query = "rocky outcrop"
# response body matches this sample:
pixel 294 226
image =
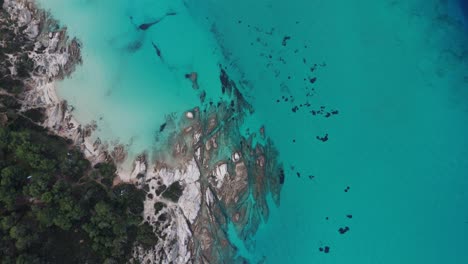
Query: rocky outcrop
pixel 225 175
pixel 43 54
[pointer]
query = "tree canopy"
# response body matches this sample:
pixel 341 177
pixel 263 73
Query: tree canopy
pixel 55 207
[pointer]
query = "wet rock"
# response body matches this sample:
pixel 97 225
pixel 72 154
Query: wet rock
pixel 281 176
pixel 119 154
pixel 193 77
pixel 219 169
pixel 162 127
pixel 325 249
pixel 322 138
pixel 202 96
pixel 146 26
pixel 343 230
pixel 285 40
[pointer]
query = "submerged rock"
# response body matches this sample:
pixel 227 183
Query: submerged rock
pixel 224 178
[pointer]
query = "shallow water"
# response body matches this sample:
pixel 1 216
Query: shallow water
pixel 123 84
pixel 395 70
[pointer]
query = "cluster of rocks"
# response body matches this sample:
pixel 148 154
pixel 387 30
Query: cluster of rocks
pixel 223 178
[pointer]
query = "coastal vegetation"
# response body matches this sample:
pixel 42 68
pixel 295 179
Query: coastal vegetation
pixel 56 208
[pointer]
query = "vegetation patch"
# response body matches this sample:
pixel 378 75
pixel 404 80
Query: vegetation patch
pixel 173 192
pixel 55 208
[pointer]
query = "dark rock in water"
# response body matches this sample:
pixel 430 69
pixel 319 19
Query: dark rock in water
pixel 285 40
pixel 325 249
pixel 349 216
pixel 281 176
pixel 158 51
pixel 134 46
pixel 229 87
pixel 193 77
pixel 323 139
pixel 162 127
pixel 343 230
pixel 202 96
pixel 146 26
pixel 313 80
pixel 225 81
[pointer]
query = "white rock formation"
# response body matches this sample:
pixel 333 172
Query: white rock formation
pixel 174 227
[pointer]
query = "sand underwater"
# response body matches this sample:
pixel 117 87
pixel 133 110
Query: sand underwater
pixel 365 100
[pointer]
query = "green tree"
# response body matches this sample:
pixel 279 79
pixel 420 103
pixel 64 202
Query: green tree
pixel 11 184
pixel 23 236
pixel 39 184
pixel 146 236
pixel 102 227
pixel 32 153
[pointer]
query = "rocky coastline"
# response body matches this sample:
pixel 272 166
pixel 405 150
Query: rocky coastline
pixel 205 176
pixel 51 56
pixel 224 178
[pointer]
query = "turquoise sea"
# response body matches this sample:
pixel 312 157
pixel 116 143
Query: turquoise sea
pixel 386 152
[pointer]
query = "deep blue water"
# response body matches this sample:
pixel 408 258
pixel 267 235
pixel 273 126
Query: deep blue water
pixel 464 7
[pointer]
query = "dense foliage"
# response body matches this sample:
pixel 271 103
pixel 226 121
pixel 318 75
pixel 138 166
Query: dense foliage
pixel 55 208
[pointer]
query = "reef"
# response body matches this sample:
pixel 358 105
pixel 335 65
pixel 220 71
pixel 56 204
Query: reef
pixel 224 176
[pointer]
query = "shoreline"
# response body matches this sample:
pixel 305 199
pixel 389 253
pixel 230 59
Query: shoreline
pixel 194 191
pixel 59 60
